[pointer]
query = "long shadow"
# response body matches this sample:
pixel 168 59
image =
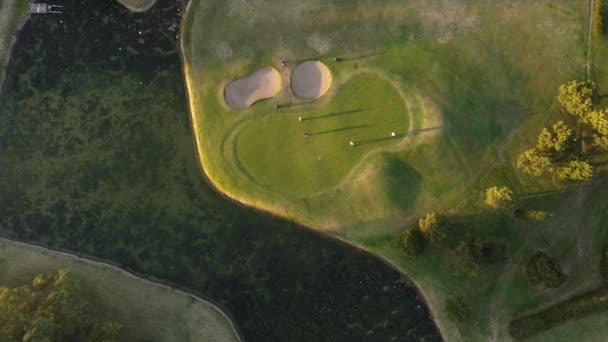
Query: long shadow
pixel 331 115
pixel 349 128
pixel 362 56
pixel 396 136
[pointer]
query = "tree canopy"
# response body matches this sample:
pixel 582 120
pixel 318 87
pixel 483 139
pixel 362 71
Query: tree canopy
pixel 556 138
pixel 50 309
pixel 577 98
pixel 534 163
pixel 542 269
pixel 576 170
pixel 430 225
pixel 412 241
pixel 599 121
pixel 500 198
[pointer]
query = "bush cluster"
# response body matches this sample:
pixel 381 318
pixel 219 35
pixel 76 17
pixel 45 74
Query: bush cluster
pixel 542 269
pixel 576 307
pixel 457 309
pixel 412 241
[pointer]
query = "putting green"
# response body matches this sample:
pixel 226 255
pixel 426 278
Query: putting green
pixel 275 152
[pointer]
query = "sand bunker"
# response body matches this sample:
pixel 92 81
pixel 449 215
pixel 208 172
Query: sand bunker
pixel 311 79
pixel 262 84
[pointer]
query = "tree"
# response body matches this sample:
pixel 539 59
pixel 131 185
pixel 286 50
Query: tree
pixel 412 241
pixel 50 309
pixel 467 254
pixel 577 98
pixel 555 138
pixel 500 198
pixel 533 163
pixel 599 121
pixel 542 269
pixel 576 170
pixel 432 228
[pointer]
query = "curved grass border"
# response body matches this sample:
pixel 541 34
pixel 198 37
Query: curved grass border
pixel 137 9
pixel 115 268
pixel 358 166
pixel 444 326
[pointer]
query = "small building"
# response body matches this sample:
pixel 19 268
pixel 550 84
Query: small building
pixel 40 8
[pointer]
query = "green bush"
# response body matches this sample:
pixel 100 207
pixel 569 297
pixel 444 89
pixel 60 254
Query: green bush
pixel 598 18
pixel 412 241
pixel 541 268
pixel 576 307
pixel 467 255
pixel 457 309
pixel 532 215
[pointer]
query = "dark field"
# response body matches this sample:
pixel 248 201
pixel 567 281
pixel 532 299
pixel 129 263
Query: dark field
pixel 97 157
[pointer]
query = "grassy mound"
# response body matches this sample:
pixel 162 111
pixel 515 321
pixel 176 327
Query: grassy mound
pixel 275 152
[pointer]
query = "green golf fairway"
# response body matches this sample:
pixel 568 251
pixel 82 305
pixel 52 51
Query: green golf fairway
pixel 275 152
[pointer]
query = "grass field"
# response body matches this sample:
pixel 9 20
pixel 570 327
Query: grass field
pixel 145 311
pixel 483 74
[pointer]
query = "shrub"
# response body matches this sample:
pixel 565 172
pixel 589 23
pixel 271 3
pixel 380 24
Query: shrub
pixel 467 255
pixel 457 309
pixel 412 242
pixel 500 198
pixel 540 268
pixel 598 18
pixel 532 215
pixel 431 226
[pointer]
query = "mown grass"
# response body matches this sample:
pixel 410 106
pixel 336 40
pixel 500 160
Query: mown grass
pixel 487 73
pixel 315 163
pixel 145 311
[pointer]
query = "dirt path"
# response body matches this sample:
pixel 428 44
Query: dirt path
pixel 6 12
pixel 589 37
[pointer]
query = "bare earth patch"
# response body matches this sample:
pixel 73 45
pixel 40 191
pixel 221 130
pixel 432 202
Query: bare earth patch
pixel 262 84
pixel 311 79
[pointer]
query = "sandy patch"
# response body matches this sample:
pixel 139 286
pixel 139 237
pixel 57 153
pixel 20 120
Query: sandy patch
pixel 138 6
pixel 311 79
pixel 261 84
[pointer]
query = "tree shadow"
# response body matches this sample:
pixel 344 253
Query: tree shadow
pixel 342 129
pixel 361 56
pixel 396 136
